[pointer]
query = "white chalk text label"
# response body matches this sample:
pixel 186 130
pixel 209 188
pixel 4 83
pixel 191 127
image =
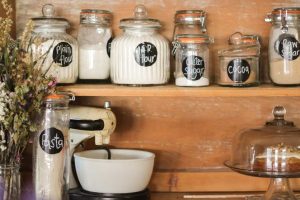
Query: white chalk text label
pixel 63 54
pixel 145 54
pixel 52 140
pixel 238 70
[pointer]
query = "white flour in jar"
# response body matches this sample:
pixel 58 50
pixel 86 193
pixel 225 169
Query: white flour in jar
pixel 94 47
pixel 94 62
pixel 140 58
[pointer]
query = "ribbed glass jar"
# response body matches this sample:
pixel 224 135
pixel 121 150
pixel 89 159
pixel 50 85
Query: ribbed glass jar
pixel 140 56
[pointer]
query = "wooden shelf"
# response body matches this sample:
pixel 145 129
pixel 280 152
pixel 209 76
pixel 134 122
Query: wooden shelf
pixel 266 90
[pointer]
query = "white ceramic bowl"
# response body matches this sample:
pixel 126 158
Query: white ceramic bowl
pixel 128 171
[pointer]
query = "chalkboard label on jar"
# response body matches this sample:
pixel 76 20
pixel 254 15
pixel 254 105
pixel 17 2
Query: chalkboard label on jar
pixel 63 54
pixel 193 67
pixel 238 70
pixel 52 140
pixel 108 46
pixel 289 47
pixel 145 54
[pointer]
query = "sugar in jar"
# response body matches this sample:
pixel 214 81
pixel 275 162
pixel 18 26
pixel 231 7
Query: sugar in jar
pixel 192 60
pixel 140 56
pixel 94 39
pixel 284 46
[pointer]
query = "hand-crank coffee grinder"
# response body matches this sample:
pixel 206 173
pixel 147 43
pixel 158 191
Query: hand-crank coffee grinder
pixel 88 122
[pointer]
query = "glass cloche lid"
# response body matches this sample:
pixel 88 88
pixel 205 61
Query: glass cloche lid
pixel 271 151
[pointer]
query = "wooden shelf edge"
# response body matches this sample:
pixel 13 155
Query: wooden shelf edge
pixel 210 182
pixel 174 91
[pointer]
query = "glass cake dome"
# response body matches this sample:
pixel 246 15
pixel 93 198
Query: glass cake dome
pixel 270 151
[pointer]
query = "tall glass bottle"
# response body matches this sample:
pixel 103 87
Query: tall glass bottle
pixel 51 150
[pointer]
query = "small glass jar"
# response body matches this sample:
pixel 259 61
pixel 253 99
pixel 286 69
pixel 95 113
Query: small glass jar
pixel 94 39
pixel 188 22
pixel 141 55
pixel 239 64
pixel 192 60
pixel 51 150
pixel 284 46
pixel 55 51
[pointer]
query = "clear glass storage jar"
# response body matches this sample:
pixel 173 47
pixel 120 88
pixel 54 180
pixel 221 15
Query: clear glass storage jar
pixel 239 63
pixel 55 51
pixel 188 22
pixel 94 39
pixel 284 46
pixel 140 56
pixel 51 150
pixel 192 60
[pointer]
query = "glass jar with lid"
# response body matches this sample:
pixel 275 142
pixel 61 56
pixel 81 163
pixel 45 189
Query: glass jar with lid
pixel 284 46
pixel 188 22
pixel 141 55
pixel 270 151
pixel 192 60
pixel 94 39
pixel 239 63
pixel 55 51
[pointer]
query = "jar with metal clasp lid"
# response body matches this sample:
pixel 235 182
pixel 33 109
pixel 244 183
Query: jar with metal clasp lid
pixel 51 149
pixel 188 22
pixel 141 55
pixel 94 39
pixel 192 60
pixel 284 46
pixel 239 63
pixel 55 51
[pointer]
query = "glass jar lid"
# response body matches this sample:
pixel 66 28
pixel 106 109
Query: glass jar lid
pixel 194 39
pixel 94 16
pixel 190 16
pixel 49 19
pixel 272 150
pixel 140 20
pixel 238 39
pixel 287 14
pixel 242 45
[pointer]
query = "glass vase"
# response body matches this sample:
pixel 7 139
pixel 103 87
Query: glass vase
pixel 9 182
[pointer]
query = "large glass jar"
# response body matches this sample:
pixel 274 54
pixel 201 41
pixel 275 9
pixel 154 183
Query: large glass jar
pixel 239 63
pixel 192 60
pixel 51 150
pixel 188 22
pixel 284 46
pixel 140 56
pixel 94 39
pixel 55 51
